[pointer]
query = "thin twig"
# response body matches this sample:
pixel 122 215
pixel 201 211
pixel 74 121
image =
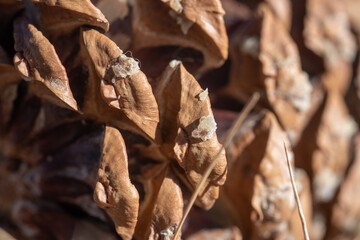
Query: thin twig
pixel 301 214
pixel 230 135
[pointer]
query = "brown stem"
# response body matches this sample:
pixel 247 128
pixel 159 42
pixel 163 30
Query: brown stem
pixel 301 214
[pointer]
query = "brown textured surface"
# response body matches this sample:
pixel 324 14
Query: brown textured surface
pixel 63 16
pixel 139 128
pixel 351 7
pixel 48 76
pixel 345 218
pixel 126 102
pixel 265 58
pixel 282 10
pixel 153 26
pixel 217 234
pixel 114 191
pixel 353 94
pixel 257 159
pixel 33 217
pixel 8 88
pixel 327 33
pixel 163 204
pixel 177 95
pixel 324 149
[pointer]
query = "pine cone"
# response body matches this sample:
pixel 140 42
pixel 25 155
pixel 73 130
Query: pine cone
pixel 111 111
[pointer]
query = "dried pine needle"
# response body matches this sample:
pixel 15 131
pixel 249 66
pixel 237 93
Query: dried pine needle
pixel 230 135
pixel 301 214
